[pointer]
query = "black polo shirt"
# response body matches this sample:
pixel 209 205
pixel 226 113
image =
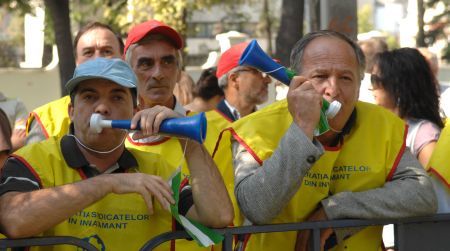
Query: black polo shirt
pixel 15 176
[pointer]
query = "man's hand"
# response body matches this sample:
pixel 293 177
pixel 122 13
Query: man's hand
pixel 145 185
pixel 304 104
pixel 303 237
pixel 150 119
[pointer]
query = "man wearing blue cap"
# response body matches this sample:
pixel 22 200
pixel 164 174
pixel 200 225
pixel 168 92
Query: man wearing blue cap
pixel 88 185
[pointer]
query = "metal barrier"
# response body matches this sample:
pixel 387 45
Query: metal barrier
pixel 411 234
pixel 46 241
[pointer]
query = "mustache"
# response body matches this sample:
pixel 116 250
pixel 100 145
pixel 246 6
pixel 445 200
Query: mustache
pixel 154 83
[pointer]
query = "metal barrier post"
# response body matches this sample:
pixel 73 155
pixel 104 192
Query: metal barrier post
pixel 316 239
pixel 227 243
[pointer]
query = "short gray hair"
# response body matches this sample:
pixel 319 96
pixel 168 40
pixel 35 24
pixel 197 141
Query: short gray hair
pixel 299 48
pixel 147 39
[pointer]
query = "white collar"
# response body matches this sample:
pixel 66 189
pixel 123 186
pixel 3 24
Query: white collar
pixel 233 110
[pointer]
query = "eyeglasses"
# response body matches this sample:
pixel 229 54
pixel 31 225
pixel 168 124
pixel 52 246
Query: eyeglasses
pixel 254 71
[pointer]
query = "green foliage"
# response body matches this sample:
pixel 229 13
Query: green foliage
pixel 11 37
pixel 22 6
pixel 175 12
pixel 111 12
pixel 122 14
pixel 365 19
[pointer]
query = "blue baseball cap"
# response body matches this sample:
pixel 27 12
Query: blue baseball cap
pixel 115 70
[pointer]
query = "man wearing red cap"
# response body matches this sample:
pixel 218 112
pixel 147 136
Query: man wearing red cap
pixel 153 51
pixel 245 87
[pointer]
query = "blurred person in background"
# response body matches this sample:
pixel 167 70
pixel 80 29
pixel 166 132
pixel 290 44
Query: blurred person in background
pixel 244 86
pixel 183 88
pixel 207 93
pixel 16 114
pixel 370 48
pixel 443 88
pixel 404 83
pixel 5 137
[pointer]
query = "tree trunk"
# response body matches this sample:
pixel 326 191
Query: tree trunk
pixel 183 33
pixel 59 12
pixel 314 13
pixel 268 21
pixel 420 39
pixel 291 29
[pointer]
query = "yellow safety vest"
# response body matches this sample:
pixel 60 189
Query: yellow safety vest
pixel 217 122
pixel 439 163
pixel 366 160
pixel 171 150
pixel 116 222
pixel 53 117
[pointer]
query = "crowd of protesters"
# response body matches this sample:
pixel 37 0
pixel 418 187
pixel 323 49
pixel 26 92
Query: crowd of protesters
pixel 382 155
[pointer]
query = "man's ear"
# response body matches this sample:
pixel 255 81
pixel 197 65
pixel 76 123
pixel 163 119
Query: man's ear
pixel 233 80
pixel 70 111
pixel 140 104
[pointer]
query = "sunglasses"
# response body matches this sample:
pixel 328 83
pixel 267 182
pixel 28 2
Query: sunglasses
pixel 375 79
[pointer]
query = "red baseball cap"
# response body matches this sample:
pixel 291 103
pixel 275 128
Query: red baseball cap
pixel 152 27
pixel 230 59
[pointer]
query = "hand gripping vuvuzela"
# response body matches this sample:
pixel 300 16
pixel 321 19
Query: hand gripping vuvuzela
pixel 193 127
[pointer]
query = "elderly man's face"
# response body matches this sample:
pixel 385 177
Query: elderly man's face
pixel 98 42
pixel 109 99
pixel 332 66
pixel 253 85
pixel 156 67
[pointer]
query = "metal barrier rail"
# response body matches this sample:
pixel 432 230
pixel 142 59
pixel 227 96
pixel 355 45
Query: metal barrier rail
pixel 418 233
pixel 46 241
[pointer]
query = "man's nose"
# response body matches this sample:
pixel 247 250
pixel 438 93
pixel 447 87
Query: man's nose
pixel 97 54
pixel 330 86
pixel 103 108
pixel 157 72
